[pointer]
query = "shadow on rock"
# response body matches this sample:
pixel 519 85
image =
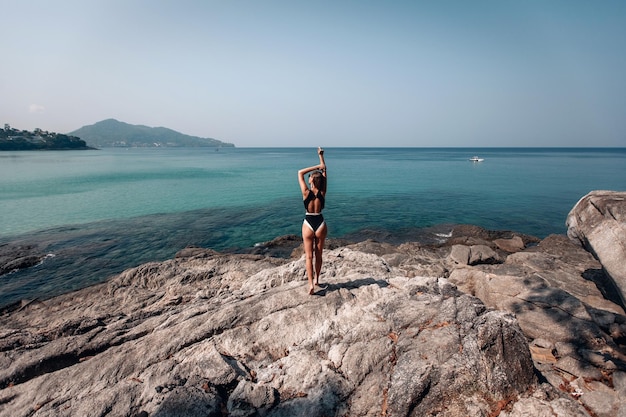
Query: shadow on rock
pixel 350 285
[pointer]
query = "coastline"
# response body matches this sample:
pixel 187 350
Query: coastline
pixel 491 322
pixel 84 259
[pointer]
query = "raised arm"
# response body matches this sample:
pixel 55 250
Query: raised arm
pixel 304 171
pixel 320 152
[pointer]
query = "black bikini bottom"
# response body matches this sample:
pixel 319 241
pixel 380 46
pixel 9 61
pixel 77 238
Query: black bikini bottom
pixel 314 221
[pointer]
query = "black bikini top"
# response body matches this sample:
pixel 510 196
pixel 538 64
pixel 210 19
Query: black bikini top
pixel 310 197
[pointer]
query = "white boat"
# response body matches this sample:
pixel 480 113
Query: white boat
pixel 476 159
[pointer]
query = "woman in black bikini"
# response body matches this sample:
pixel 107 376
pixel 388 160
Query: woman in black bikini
pixel 314 228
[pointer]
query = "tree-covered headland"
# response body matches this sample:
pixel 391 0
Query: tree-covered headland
pixel 23 140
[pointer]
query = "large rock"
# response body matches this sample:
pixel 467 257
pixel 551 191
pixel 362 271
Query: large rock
pixel 573 329
pixel 14 257
pixel 212 335
pixel 598 221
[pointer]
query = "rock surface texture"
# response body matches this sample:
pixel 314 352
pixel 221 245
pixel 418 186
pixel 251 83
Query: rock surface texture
pixel 16 257
pixel 598 221
pixel 487 324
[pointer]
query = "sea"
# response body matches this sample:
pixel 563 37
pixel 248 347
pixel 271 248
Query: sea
pixel 96 213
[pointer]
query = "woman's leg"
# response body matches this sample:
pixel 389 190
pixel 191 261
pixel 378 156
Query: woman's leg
pixel 308 238
pixel 320 237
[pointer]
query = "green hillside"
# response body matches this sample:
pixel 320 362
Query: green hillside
pixel 24 140
pixel 113 133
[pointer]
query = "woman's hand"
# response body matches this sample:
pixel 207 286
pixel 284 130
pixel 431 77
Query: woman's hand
pixel 322 165
pixel 320 152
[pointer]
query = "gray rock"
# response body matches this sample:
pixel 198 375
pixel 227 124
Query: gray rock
pixel 544 401
pixel 514 244
pixel 460 254
pixel 206 334
pixel 564 312
pixel 482 254
pixel 14 257
pixel 598 222
pixel 473 255
pixel 619 381
pixel 213 334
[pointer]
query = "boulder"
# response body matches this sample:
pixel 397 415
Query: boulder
pixel 473 255
pixel 514 244
pixel 576 334
pixel 598 222
pixel 14 257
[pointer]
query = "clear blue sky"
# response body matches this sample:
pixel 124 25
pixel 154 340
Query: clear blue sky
pixel 329 73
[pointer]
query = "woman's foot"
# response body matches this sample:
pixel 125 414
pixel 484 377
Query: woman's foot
pixel 311 290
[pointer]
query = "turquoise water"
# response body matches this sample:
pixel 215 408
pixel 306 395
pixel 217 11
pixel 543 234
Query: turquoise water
pixel 99 212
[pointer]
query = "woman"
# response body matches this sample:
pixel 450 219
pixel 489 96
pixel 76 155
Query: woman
pixel 314 228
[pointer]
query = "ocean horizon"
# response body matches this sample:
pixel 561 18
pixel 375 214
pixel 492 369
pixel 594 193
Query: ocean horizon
pixel 98 212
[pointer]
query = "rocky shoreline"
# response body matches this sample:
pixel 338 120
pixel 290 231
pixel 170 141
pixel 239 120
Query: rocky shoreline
pixel 486 324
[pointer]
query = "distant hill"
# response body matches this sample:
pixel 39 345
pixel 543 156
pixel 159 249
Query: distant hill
pixel 24 140
pixel 113 133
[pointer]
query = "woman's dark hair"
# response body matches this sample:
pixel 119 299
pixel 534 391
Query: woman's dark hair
pixel 319 181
